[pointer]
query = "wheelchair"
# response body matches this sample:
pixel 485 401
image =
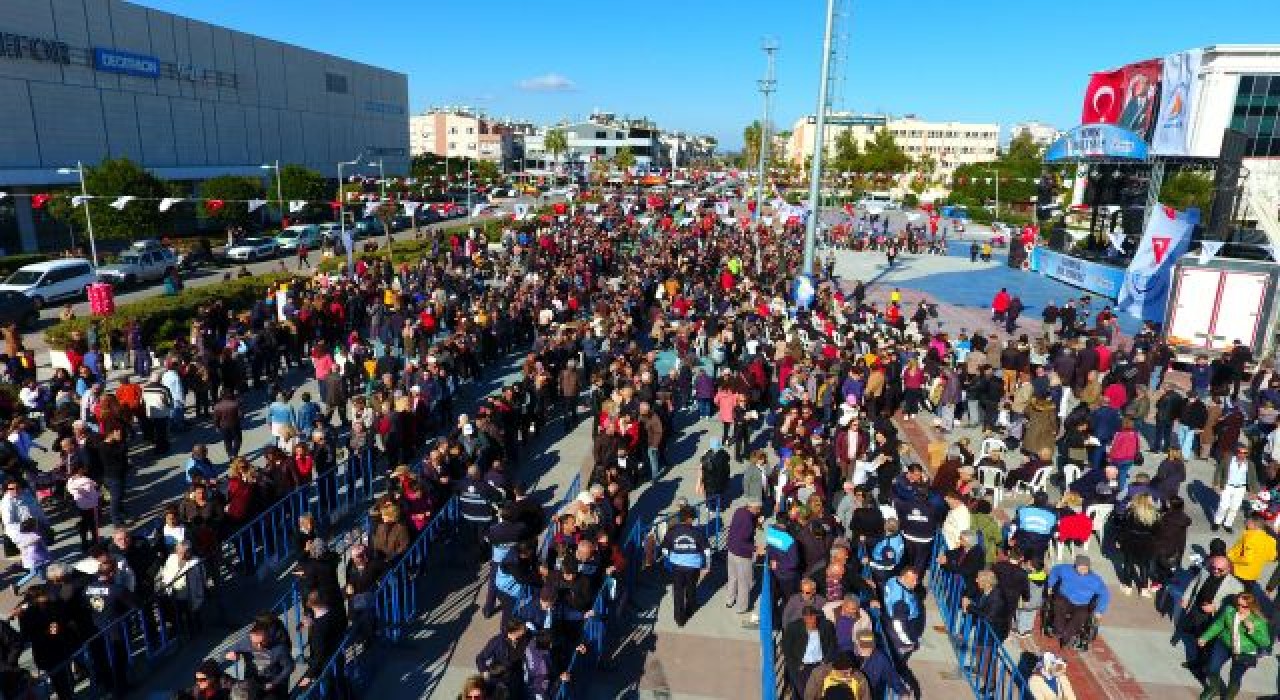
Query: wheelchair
pixel 1088 631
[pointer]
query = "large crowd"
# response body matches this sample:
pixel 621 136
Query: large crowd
pixel 645 329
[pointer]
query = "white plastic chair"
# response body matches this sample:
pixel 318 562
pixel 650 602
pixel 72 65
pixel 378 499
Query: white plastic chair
pixel 1098 513
pixel 1071 472
pixel 992 481
pixel 1039 482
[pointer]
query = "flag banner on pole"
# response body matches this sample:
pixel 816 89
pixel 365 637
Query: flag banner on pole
pixel 296 206
pixel 167 203
pixel 1208 249
pixel 80 199
pixel 1145 290
pixel 256 204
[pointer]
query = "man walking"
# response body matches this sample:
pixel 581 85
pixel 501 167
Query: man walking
pixel 228 420
pixel 689 553
pixel 741 546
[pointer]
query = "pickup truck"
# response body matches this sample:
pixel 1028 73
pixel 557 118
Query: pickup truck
pixel 138 265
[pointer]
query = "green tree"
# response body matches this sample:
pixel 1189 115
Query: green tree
pixel 751 144
pixel 232 190
pixel 847 156
pixel 386 213
pixel 625 159
pixel 107 181
pixel 1022 150
pixel 556 142
pixel 884 155
pixel 1188 189
pixel 299 183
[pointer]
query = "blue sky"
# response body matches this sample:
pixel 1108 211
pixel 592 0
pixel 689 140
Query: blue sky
pixel 693 64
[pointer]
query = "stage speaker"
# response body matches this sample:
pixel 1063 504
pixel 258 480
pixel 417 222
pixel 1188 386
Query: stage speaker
pixel 1226 184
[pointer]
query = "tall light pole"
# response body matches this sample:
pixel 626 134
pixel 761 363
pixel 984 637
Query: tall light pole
pixel 819 144
pixel 382 178
pixel 88 218
pixel 342 198
pixel 996 215
pixel 280 188
pixel 767 87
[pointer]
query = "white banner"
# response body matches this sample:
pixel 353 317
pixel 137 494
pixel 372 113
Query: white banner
pixel 120 202
pixel 1179 92
pixel 1208 249
pixel 168 202
pixel 254 204
pixel 296 206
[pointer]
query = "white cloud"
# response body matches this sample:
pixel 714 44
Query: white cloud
pixel 551 82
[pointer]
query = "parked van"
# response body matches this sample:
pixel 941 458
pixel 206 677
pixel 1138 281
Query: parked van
pixel 52 280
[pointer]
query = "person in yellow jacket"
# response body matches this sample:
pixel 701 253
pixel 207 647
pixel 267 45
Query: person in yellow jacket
pixel 1254 550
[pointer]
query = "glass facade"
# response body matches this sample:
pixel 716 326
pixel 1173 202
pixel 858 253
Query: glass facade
pixel 1257 114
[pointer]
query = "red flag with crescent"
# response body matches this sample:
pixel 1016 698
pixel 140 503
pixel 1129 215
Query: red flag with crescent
pixel 1103 98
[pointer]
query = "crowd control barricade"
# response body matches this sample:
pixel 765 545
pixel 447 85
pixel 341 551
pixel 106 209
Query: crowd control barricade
pixel 590 648
pixel 984 663
pixel 396 597
pixel 644 540
pixel 111 658
pixel 768 647
pixel 333 681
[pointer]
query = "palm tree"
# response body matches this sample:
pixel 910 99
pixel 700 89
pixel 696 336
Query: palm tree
pixel 751 144
pixel 555 143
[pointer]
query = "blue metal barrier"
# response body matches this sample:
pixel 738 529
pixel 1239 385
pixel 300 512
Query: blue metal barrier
pixel 983 660
pixel 396 597
pixel 108 657
pixel 768 653
pixel 549 536
pixel 269 538
pixel 590 649
pixel 333 677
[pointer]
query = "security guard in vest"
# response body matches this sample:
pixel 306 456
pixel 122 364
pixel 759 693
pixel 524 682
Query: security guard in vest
pixel 686 548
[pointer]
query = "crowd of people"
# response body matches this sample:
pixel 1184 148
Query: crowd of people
pixel 646 330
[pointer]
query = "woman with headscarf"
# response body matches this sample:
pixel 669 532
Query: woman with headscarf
pixel 1049 680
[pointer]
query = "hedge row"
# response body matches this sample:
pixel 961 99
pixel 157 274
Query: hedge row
pixel 165 318
pixel 10 263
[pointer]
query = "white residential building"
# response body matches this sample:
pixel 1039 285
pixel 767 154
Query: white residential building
pixel 601 136
pixel 950 144
pixel 461 132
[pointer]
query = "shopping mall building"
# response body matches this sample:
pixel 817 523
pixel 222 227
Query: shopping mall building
pixel 84 80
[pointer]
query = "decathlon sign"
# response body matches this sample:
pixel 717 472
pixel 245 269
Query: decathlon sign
pixel 112 61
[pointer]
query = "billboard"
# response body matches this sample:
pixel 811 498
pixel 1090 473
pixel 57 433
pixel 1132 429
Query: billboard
pixel 1180 82
pixel 1125 97
pixel 1097 141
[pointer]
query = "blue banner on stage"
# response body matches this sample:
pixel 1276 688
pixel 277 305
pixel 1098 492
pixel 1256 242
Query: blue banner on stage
pixel 1145 291
pixel 1103 280
pixel 1097 140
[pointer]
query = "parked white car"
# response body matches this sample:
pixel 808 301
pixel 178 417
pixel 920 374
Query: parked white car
pixel 143 261
pixel 301 234
pixel 52 280
pixel 253 249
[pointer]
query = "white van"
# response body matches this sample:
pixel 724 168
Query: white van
pixel 52 280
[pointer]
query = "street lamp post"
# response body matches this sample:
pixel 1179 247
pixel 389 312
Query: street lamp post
pixel 88 217
pixel 342 201
pixel 996 215
pixel 766 88
pixel 382 178
pixel 819 146
pixel 280 186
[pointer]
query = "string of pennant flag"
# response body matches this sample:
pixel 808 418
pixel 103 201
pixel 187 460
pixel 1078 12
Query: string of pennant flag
pixel 212 206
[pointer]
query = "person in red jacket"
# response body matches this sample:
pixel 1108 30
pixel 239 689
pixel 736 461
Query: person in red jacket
pixel 1000 304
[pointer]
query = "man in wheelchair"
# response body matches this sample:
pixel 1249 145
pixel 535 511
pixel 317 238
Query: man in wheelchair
pixel 1077 599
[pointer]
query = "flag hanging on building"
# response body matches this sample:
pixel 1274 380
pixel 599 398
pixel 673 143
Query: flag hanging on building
pixel 1145 290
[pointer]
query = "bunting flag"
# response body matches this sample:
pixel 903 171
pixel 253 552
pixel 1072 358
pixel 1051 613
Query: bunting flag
pixel 213 206
pixel 38 200
pixel 1208 249
pixel 1117 241
pixel 256 204
pixel 120 202
pixel 411 208
pixel 296 206
pixel 80 199
pixel 3 195
pixel 475 210
pixel 168 202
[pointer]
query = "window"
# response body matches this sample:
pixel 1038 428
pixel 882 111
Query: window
pixel 602 134
pixel 453 146
pixel 471 147
pixel 602 151
pixel 335 83
pixel 453 130
pixel 618 135
pixel 1257 113
pixel 471 130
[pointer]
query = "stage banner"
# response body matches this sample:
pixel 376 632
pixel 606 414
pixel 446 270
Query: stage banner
pixel 1103 280
pixel 1103 98
pixel 1179 89
pixel 1141 92
pixel 1097 140
pixel 1146 283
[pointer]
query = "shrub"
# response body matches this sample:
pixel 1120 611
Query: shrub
pixel 164 318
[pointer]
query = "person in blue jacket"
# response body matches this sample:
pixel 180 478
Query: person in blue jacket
pixel 783 555
pixel 1033 527
pixel 1077 593
pixel 686 548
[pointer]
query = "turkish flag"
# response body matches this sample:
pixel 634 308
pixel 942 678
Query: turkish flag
pixel 38 200
pixel 213 206
pixel 559 208
pixel 1104 98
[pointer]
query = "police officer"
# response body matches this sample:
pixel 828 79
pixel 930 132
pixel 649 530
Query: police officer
pixel 1033 527
pixel 905 614
pixel 886 554
pixel 502 537
pixel 686 547
pixel 919 521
